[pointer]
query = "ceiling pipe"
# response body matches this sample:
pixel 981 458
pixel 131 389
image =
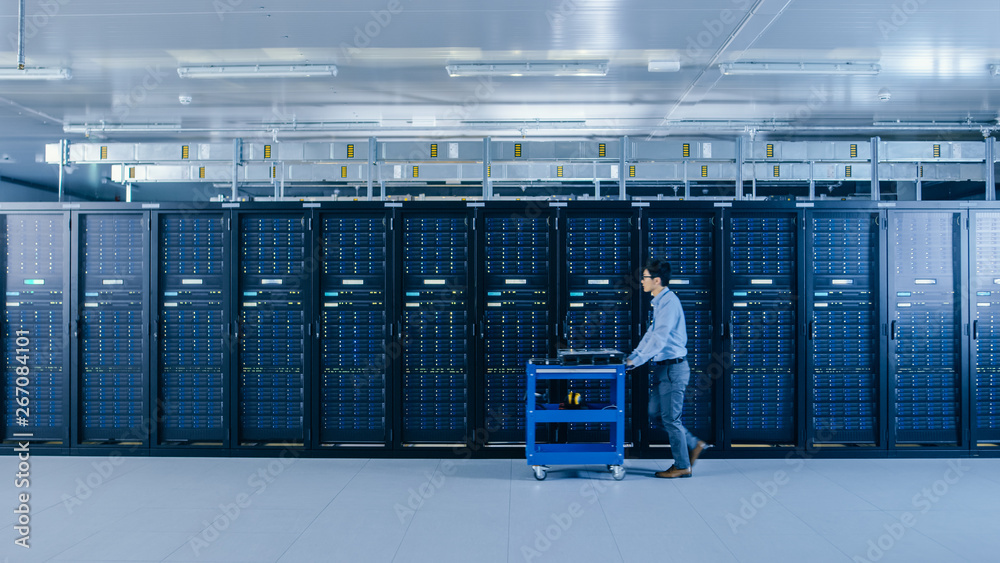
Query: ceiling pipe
pixel 735 128
pixel 20 35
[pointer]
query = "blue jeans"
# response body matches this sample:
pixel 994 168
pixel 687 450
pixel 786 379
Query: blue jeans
pixel 666 401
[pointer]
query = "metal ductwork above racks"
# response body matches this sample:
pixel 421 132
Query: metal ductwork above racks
pixel 625 162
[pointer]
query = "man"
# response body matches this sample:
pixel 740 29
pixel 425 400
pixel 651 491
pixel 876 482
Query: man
pixel 665 344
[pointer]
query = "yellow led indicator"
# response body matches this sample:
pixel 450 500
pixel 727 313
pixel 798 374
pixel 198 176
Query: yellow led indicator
pixel 631 171
pixel 777 170
pixel 416 171
pixel 854 151
pixel 848 171
pixel 343 171
pixel 267 151
pixel 201 172
pixel 704 171
pixel 488 174
pixel 770 151
pixel 602 150
pixel 104 153
pixel 350 151
pixel 921 171
pixel 517 150
pixel 131 173
pixel 274 171
pixel 185 152
pixel 559 171
pixel 434 151
pixel 686 150
pixel 937 151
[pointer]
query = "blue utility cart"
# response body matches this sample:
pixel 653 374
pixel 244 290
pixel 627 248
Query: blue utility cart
pixel 611 453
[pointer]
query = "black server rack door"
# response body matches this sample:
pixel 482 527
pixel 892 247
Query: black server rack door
pixel 36 387
pixel 986 329
pixel 353 328
pixel 762 316
pixel 435 327
pixel 924 328
pixel 687 242
pixel 273 282
pixel 599 278
pixel 843 356
pixel 517 309
pixel 112 385
pixel 190 327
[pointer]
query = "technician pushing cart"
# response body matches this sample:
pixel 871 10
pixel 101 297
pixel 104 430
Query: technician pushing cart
pixel 612 453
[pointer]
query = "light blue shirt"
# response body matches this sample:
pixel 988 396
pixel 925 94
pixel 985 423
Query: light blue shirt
pixel 667 337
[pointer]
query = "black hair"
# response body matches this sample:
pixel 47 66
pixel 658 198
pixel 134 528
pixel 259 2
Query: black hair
pixel 659 269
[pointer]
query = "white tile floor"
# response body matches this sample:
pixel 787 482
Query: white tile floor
pixel 305 510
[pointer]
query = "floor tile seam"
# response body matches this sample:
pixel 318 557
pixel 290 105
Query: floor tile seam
pixel 607 520
pixel 510 504
pixel 74 545
pixel 322 510
pixel 402 539
pixel 929 538
pixel 196 534
pixel 709 526
pixel 796 516
pixel 820 475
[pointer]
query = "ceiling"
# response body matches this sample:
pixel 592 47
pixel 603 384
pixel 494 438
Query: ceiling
pixel 391 81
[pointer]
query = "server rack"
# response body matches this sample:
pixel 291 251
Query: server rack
pixel 110 387
pixel 761 312
pixel 926 337
pixel 352 327
pixel 435 324
pixel 686 238
pixel 276 261
pixel 35 328
pixel 191 328
pixel 600 277
pixel 985 315
pixel 843 314
pixel 517 312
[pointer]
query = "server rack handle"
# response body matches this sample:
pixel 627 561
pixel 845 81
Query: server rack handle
pixel 317 330
pixel 975 329
pixel 812 330
pixel 156 329
pixel 892 331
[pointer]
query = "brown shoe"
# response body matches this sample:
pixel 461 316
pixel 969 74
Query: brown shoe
pixel 694 454
pixel 674 473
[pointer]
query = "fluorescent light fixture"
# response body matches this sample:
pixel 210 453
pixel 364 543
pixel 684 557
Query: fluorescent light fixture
pixel 35 74
pixel 664 66
pixel 869 69
pixel 256 71
pixel 538 68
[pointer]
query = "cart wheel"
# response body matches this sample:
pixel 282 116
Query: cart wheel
pixel 539 472
pixel 617 472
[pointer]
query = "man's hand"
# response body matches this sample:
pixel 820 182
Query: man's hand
pixel 629 365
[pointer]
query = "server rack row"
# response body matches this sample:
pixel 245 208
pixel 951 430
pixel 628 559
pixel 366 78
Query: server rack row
pixel 837 327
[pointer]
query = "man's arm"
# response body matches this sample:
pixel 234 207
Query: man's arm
pixel 654 340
